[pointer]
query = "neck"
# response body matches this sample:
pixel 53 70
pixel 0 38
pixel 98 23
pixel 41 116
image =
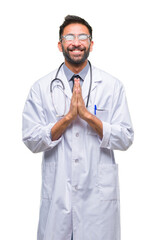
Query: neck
pixel 76 68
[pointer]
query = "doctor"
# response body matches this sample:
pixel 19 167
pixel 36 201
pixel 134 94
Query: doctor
pixel 80 189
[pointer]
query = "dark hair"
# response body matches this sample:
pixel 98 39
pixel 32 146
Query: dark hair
pixel 69 19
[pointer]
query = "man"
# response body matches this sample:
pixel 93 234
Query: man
pixel 80 189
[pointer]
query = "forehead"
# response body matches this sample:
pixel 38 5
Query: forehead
pixel 75 28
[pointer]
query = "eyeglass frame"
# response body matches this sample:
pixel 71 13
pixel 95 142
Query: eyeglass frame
pixel 74 35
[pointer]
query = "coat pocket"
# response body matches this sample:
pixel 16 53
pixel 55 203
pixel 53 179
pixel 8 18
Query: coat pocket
pixel 108 182
pixel 102 114
pixel 48 178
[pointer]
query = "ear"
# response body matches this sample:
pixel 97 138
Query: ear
pixel 91 46
pixel 60 46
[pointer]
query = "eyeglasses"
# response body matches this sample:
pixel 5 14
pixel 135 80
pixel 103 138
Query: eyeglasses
pixel 72 37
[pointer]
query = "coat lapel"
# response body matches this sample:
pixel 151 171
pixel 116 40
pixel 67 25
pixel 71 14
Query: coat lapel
pixel 96 79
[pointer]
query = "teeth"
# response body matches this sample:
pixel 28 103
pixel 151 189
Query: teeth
pixel 76 51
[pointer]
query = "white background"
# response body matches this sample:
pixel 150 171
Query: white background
pixel 125 46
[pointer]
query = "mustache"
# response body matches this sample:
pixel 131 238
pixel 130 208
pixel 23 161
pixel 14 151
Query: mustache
pixel 72 48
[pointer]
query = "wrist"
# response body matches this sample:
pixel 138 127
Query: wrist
pixel 69 117
pixel 87 116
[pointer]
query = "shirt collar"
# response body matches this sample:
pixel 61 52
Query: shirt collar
pixel 69 73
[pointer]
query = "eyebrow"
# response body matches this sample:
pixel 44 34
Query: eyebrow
pixel 76 34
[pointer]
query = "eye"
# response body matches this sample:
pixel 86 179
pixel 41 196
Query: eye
pixel 69 37
pixel 83 37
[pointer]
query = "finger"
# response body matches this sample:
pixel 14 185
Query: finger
pixel 75 87
pixel 77 84
pixel 76 81
pixel 75 91
pixel 79 89
pixel 76 78
pixel 74 95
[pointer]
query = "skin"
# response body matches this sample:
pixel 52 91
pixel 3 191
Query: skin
pixel 77 106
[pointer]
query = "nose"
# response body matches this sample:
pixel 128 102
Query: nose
pixel 76 42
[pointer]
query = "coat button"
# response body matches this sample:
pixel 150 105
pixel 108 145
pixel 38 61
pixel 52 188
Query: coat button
pixel 76 160
pixel 77 134
pixel 76 187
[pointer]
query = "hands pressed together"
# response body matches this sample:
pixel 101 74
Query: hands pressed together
pixel 77 106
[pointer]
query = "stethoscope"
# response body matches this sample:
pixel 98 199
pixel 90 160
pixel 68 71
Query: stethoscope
pixel 62 88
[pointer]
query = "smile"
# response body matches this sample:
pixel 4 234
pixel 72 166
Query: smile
pixel 76 51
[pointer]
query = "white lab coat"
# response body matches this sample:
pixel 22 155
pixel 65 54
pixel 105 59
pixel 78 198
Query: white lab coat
pixel 80 187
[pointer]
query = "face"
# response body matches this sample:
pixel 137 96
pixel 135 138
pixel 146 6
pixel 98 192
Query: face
pixel 76 51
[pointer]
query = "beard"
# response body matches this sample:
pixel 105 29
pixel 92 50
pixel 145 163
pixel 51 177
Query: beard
pixel 77 59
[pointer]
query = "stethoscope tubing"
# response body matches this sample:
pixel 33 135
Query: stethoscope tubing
pixel 90 86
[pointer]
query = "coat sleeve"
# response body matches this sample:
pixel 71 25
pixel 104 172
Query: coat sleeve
pixel 118 132
pixel 36 133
